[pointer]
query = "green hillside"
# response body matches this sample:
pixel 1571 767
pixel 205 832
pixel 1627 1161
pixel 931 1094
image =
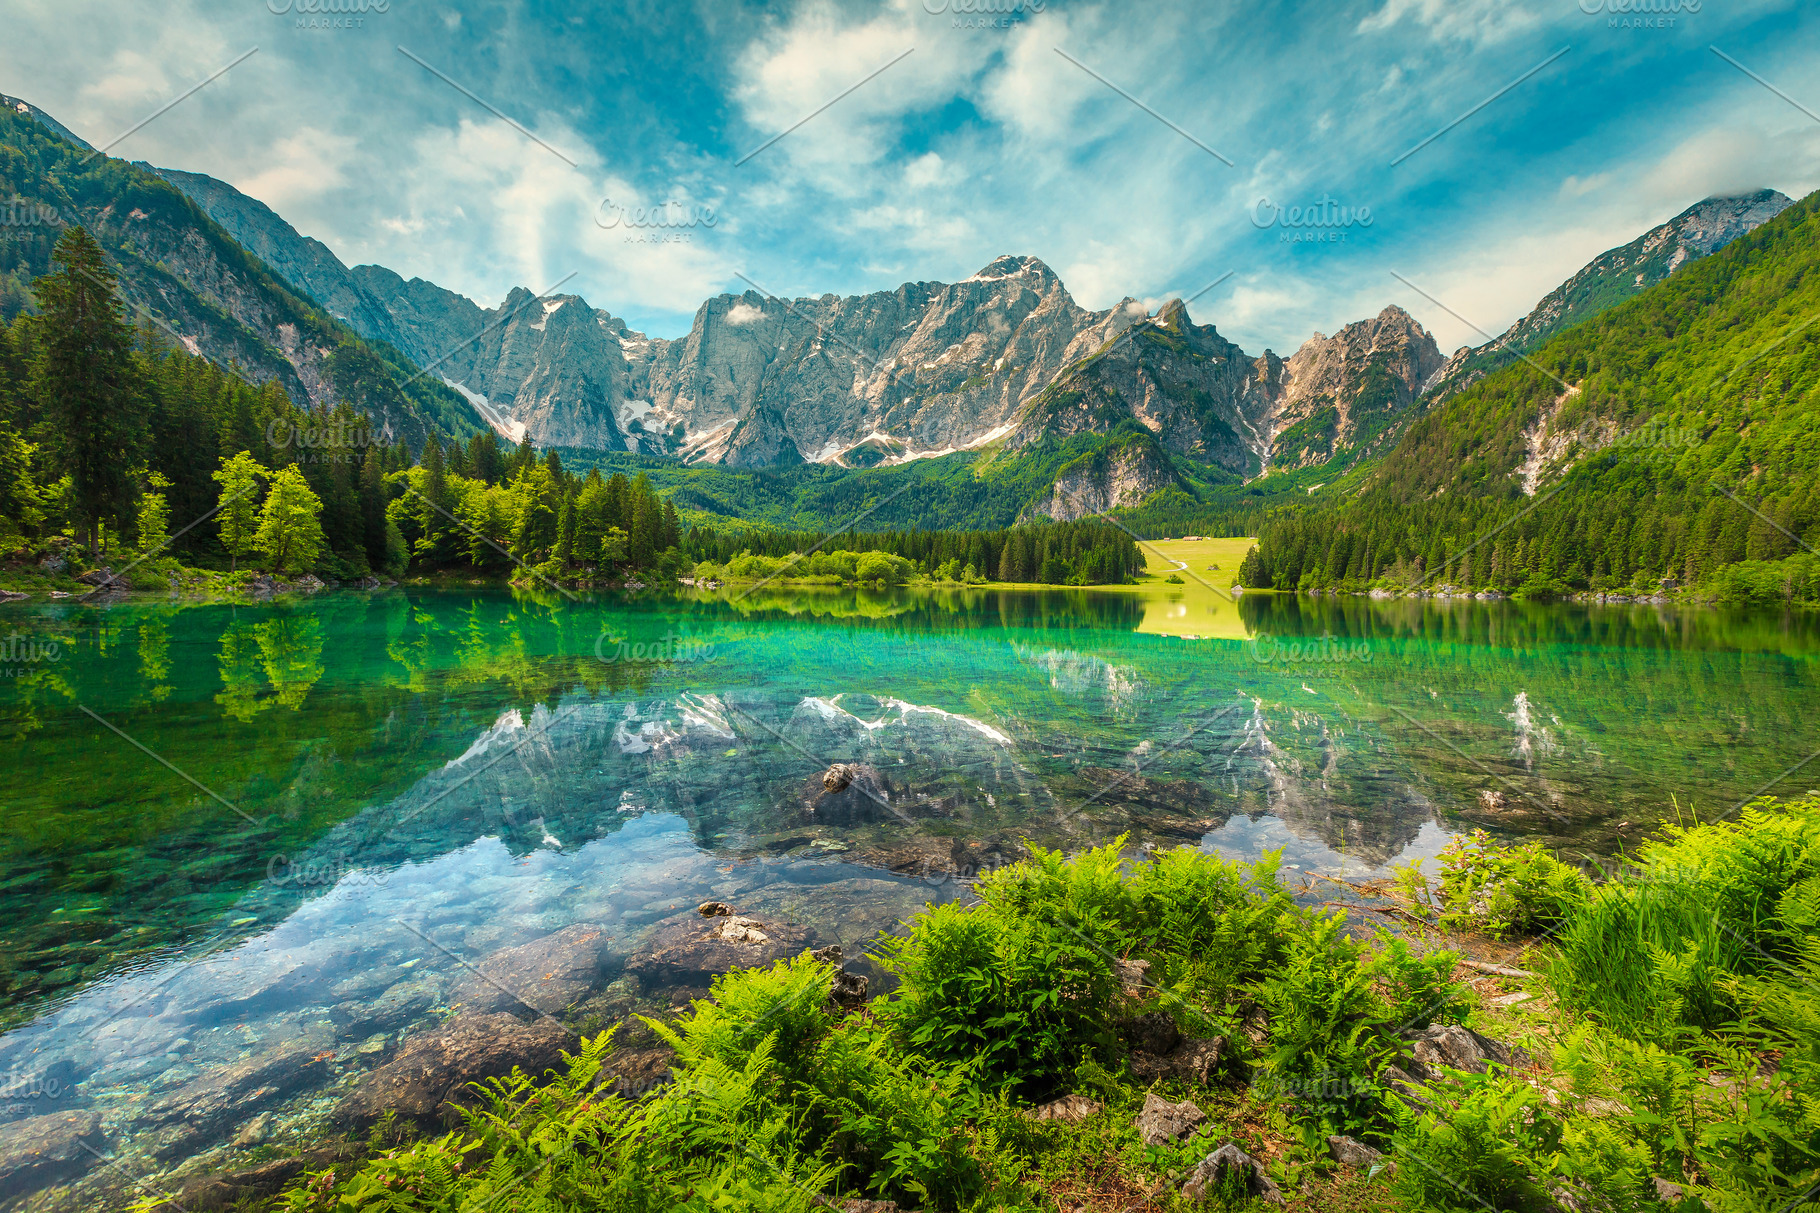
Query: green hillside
pixel 1672 436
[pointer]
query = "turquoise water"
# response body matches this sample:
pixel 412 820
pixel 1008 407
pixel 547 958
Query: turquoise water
pixel 226 821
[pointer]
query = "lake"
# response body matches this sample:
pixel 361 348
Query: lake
pixel 235 830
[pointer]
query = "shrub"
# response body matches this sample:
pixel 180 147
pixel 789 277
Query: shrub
pixel 1655 949
pixel 1501 890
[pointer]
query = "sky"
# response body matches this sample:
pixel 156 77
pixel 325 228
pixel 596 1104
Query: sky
pixel 1460 157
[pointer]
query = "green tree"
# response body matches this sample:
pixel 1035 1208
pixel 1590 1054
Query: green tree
pixel 154 517
pixel 82 379
pixel 290 527
pixel 237 512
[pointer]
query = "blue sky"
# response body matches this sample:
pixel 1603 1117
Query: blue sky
pixel 994 134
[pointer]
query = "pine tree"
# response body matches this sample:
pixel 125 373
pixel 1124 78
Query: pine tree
pixel 82 378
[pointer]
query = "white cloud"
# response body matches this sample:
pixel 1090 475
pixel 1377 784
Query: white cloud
pixel 743 313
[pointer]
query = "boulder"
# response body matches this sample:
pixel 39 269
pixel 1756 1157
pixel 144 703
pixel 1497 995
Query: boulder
pixel 1154 1032
pixel 225 1191
pixel 714 909
pixel 1070 1108
pixel 43 1150
pixel 1349 1152
pixel 848 992
pixel 1133 976
pixel 395 1008
pixel 682 951
pixel 431 1071
pixel 229 1094
pixel 13 595
pixel 852 794
pixel 309 583
pixel 1456 1048
pixel 100 576
pixel 1213 1171
pixel 545 975
pixel 1160 1122
pixel 53 564
pixel 635 1073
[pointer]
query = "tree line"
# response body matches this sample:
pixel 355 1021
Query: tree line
pixel 1087 552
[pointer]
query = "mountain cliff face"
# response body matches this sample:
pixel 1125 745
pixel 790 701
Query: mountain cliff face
pixel 1614 276
pixel 182 274
pixel 1341 394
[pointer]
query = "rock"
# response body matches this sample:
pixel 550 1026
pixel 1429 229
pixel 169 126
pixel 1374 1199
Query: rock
pixel 13 596
pixel 1161 1122
pixel 1350 1153
pixel 100 576
pixel 740 929
pixel 1454 1047
pixel 848 993
pixel 256 1131
pixel 714 909
pixel 1666 1192
pixel 635 1073
pixel 220 1096
pixel 202 1192
pixel 1070 1108
pixel 830 955
pixel 431 1071
pixel 53 564
pixel 1159 1051
pixel 852 794
pixel 1133 976
pixel 309 583
pixel 1154 1033
pixel 60 594
pixel 681 952
pixel 43 1150
pixel 1213 1170
pixel 403 1002
pixel 546 975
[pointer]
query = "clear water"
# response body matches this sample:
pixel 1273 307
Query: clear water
pixel 224 821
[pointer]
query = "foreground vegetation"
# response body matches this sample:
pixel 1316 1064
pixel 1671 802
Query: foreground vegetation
pixel 1672 1059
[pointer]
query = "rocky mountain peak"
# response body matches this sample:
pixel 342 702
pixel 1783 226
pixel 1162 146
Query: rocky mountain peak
pixel 1012 265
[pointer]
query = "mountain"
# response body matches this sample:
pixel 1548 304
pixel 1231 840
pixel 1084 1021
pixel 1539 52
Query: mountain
pixel 1671 438
pixel 183 274
pixel 1614 276
pixel 926 369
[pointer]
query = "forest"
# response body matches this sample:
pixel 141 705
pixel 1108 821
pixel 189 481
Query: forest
pixel 1684 426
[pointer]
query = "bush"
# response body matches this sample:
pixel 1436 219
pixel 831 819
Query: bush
pixel 1520 890
pixel 1657 948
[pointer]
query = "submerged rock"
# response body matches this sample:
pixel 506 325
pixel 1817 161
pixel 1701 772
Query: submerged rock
pixel 684 952
pixel 432 1069
pixel 42 1150
pixel 221 1096
pixel 545 975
